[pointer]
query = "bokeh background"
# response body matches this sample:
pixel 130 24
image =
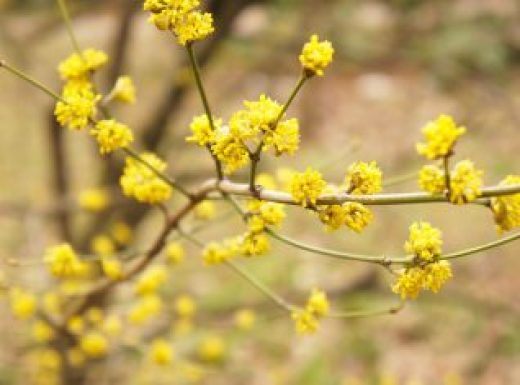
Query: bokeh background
pixel 398 64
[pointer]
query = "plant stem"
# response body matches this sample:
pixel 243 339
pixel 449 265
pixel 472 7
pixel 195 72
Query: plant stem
pixel 202 92
pixel 131 152
pixel 68 24
pixel 368 313
pixel 484 247
pixel 22 75
pixel 447 178
pixel 261 287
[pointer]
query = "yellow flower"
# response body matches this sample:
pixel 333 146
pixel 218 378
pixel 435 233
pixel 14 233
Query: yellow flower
pixel 42 332
pixel 180 17
pixel 245 319
pixel 150 281
pixel 124 90
pixel 254 244
pixel 185 306
pixel 357 216
pixel 318 304
pixel 215 253
pixel 63 262
pixel 111 135
pixel 436 275
pixel 465 182
pixel 102 245
pixel 77 107
pixel 424 242
pixel 94 315
pixel 432 180
pixel 259 116
pixel 94 200
pixel 121 232
pixel 262 214
pixel 416 278
pixel 316 56
pixel 174 253
pixel 364 178
pixel 205 210
pixel 506 208
pixel 147 307
pixel 285 138
pixel 76 325
pixel 141 183
pixel 48 360
pixel 161 352
pixel 441 135
pixel 78 66
pixel 333 216
pixel 305 322
pixel 306 187
pixel 409 283
pixel 231 151
pixel 112 268
pixel 202 133
pixel 112 326
pixel 212 349
pixel 94 345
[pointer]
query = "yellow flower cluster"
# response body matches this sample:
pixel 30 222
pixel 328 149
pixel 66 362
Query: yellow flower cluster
pixel 147 307
pixel 212 349
pixel 441 135
pixel 124 90
pixel 465 182
pixel 94 344
pixel 111 135
pixel 506 209
pixel 424 242
pixel 23 303
pixel 112 268
pixel 161 352
pixel 174 253
pixel 63 262
pixel 245 319
pixel 205 210
pixel 260 122
pixel 364 178
pixel 102 245
pixel 307 319
pixel 151 280
pixel 432 179
pixel 352 214
pixel 141 183
pixel 202 133
pixel 78 66
pixel 427 271
pixel 306 187
pixel 416 278
pixel 215 253
pixel 181 18
pixel 77 105
pixel 316 56
pixel 94 199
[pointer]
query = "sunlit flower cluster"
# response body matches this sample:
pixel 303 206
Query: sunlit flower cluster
pixel 352 214
pixel 364 178
pixel 307 319
pixel 465 182
pixel 77 106
pixel 316 56
pixel 307 186
pixel 142 183
pixel 111 135
pixel 63 262
pixel 441 135
pixel 80 66
pixel 506 208
pixel 181 18
pixel 427 271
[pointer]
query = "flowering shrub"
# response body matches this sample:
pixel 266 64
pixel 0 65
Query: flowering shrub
pixel 70 332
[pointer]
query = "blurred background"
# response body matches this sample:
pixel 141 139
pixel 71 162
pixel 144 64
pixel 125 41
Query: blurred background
pixel 398 64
